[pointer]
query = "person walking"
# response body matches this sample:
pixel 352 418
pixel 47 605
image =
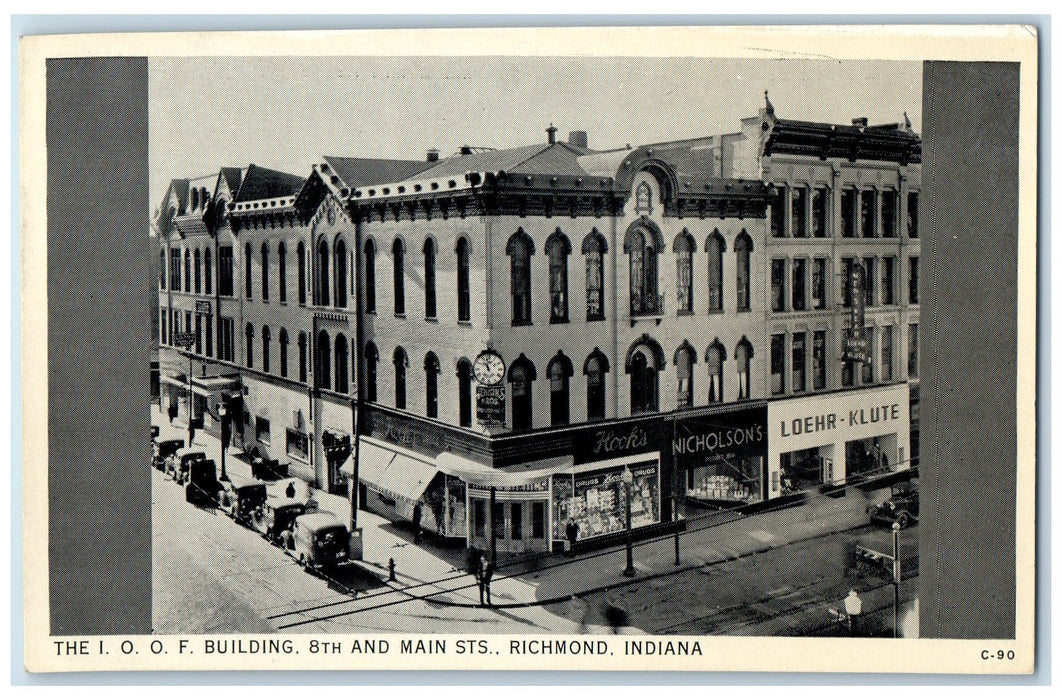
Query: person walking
pixel 290 490
pixel 486 572
pixel 571 531
pixel 418 513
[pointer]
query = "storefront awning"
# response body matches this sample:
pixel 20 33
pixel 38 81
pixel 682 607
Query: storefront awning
pixel 485 476
pixel 392 473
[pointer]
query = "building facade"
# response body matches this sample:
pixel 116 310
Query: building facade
pixel 518 339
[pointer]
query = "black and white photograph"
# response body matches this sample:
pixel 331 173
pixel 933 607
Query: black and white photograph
pixel 494 359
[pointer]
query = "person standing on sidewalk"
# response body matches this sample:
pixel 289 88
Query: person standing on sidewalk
pixel 571 531
pixel 486 572
pixel 418 513
pixel 290 490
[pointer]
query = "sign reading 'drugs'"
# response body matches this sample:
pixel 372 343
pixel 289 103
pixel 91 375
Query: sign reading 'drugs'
pixel 823 419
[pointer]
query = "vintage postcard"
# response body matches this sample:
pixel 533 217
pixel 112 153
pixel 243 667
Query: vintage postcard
pixel 692 349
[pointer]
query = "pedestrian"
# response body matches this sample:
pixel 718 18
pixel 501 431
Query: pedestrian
pixel 418 513
pixel 486 572
pixel 571 530
pixel 290 490
pixel 287 539
pixel 172 412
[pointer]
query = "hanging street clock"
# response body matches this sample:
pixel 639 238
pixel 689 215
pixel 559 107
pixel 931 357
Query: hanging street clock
pixel 489 368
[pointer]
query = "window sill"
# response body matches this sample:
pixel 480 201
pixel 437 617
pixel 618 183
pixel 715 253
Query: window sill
pixel 684 312
pixel 400 315
pixel 521 323
pixel 721 311
pixel 555 321
pixel 466 324
pixel 594 319
pixel 431 319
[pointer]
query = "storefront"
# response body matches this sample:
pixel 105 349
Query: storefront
pixel 721 457
pixel 837 438
pixel 395 479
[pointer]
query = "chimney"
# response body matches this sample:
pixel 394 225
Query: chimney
pixel 860 121
pixel 551 133
pixel 433 155
pixel 578 138
pixel 466 150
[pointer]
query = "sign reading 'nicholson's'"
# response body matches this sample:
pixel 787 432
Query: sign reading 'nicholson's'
pixel 706 439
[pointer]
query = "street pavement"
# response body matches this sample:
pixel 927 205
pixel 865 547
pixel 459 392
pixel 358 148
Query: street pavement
pixel 431 591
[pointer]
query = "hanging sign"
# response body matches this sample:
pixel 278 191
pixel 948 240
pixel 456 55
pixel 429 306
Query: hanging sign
pixel 490 405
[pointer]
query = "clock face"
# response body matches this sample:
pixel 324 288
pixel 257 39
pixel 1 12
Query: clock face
pixel 489 368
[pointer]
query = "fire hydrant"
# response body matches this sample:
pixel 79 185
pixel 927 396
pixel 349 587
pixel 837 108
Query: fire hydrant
pixel 391 570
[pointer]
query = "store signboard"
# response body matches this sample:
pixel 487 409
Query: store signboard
pixel 203 307
pixel 490 405
pixel 856 347
pixel 825 419
pixel 599 443
pixel 721 437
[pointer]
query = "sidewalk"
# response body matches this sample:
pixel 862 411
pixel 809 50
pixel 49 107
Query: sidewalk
pixel 431 570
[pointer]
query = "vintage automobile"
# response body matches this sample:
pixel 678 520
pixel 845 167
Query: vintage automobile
pixel 242 498
pixel 901 507
pixel 178 464
pixel 320 540
pixel 268 469
pixel 278 515
pixel 203 485
pixel 163 450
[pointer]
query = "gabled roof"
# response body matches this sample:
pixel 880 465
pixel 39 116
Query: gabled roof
pixel 233 177
pixel 359 172
pixel 263 183
pixel 537 159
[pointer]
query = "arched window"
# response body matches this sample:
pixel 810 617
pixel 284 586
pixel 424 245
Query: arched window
pixel 198 272
pixel 594 249
pixel 520 249
pixel 342 374
pixel 464 392
pixel 266 337
pixel 644 363
pixel 323 260
pixel 743 248
pixel 557 248
pixel 464 292
pixel 187 270
pixel 302 357
pixel 208 272
pixel 249 345
pixel 323 364
pixel 370 276
pixel 714 358
pixel 430 310
pixel 401 363
pixel 594 368
pixel 521 377
pixel 642 248
pixel 341 274
pixel 372 361
pixel 742 355
pixel 685 358
pixel 431 385
pixel 265 272
pixel 301 252
pixel 643 199
pixel 560 369
pixel 715 246
pixel 398 252
pixel 203 197
pixel 247 271
pixel 282 271
pixel 283 338
pixel 684 248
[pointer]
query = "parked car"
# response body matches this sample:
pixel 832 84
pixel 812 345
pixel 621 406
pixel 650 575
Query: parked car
pixel 241 497
pixel 163 450
pixel 203 485
pixel 178 464
pixel 278 515
pixel 268 469
pixel 320 541
pixel 901 507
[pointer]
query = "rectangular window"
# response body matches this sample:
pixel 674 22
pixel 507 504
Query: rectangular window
pixel 430 310
pixel 516 521
pixel 479 518
pixel 164 317
pixel 888 281
pixel 225 271
pixel 778 363
pixel 208 329
pixel 848 213
pixel 175 269
pixel 226 345
pixel 868 201
pixel 912 281
pixel 208 273
pixel 199 334
pixel 912 214
pixel 799 212
pixel 819 212
pixel 800 284
pixel 868 267
pixel 847 374
pixel 818 283
pixel 538 520
pixel 282 272
pixel 778 214
pixel 818 354
pixel 187 322
pixel 799 360
pixel 261 429
pixel 888 214
pixel 247 279
pixel 778 285
pixel 886 354
pixel 868 367
pixel 198 266
pixel 912 350
pixel 846 281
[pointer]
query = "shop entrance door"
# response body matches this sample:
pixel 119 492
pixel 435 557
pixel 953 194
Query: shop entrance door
pixel 519 526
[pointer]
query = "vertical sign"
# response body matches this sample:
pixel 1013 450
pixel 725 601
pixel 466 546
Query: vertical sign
pixel 490 405
pixel 855 342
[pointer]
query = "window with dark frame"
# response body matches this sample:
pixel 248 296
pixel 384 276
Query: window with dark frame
pixel 743 248
pixel 370 276
pixel 684 273
pixel 282 272
pixel 247 279
pixel 519 251
pixel 593 251
pixel 799 361
pixel 430 310
pixel 778 363
pixel 800 284
pixel 715 247
pixel 799 210
pixel 265 272
pixel 778 284
pixel 342 364
pixel 819 209
pixel 912 280
pixel 818 359
pixel 557 249
pixel 464 291
pixel 398 253
pixel 401 362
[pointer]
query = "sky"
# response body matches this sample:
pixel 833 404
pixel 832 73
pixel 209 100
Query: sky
pixel 287 112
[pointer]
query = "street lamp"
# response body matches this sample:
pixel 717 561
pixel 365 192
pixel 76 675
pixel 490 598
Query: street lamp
pixel 186 341
pixel 628 480
pixel 222 413
pixel 853 608
pixel 895 580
